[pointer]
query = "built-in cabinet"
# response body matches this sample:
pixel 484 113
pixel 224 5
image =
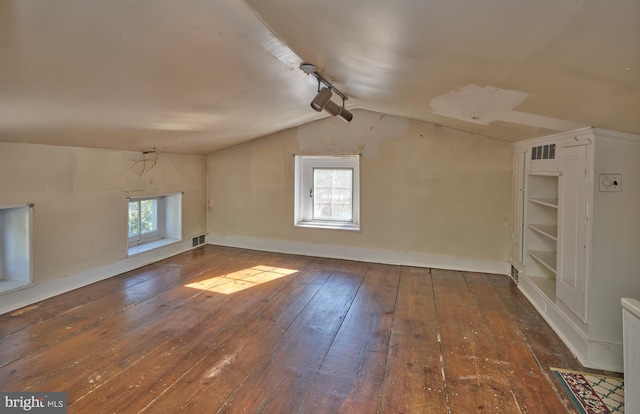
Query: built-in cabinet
pixel 577 235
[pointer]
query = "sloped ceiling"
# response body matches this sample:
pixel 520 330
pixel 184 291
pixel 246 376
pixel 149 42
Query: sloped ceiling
pixel 197 76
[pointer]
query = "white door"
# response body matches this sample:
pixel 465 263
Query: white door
pixel 571 278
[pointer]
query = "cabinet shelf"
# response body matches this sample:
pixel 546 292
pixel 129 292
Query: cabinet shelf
pixel 546 230
pixel 549 202
pixel 547 259
pixel 541 236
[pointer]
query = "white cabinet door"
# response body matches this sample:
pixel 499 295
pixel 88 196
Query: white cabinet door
pixel 518 205
pixel 571 278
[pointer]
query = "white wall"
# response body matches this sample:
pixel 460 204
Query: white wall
pixel 429 195
pixel 80 200
pixel 615 237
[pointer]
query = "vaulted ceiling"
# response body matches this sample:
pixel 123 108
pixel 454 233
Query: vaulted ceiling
pixel 196 76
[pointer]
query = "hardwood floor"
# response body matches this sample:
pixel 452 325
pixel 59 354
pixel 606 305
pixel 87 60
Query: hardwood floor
pixel 229 330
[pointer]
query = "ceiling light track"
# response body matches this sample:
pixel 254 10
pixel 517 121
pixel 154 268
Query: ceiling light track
pixel 323 98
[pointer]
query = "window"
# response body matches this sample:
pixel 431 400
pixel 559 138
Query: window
pixel 327 192
pixel 143 220
pixel 15 247
pixel 154 222
pixel 332 194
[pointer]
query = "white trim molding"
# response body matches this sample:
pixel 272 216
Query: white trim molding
pixel 364 254
pixel 593 354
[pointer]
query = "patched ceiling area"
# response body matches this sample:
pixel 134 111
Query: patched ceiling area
pixel 195 76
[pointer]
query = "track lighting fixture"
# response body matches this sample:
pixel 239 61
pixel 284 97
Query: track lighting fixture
pixel 323 98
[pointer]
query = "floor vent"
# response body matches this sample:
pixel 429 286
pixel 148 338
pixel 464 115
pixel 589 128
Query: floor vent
pixel 514 273
pixel 197 241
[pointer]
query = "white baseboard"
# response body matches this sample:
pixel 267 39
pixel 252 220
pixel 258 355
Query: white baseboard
pixel 593 354
pixel 37 292
pixel 364 254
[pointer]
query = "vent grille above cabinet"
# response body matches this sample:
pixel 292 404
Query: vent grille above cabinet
pixel 543 152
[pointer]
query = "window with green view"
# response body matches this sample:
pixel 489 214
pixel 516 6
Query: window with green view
pixel 143 219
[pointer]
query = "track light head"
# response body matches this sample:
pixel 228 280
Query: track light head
pixel 332 108
pixel 345 115
pixel 321 99
pixel 336 110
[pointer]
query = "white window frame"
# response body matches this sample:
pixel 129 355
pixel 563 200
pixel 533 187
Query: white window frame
pixel 303 202
pixel 169 224
pixel 159 232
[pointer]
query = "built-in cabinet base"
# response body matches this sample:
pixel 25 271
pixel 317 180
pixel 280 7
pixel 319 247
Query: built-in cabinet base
pixel 593 354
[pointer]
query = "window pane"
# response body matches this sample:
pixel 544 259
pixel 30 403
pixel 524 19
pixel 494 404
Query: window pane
pixel 322 177
pixel 134 214
pixel 333 194
pixel 322 194
pixel 343 178
pixel 148 216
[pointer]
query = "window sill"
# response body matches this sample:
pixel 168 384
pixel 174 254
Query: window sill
pixel 7 286
pixel 145 247
pixel 328 225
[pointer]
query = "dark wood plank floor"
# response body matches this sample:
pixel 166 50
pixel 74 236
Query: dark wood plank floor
pixel 230 330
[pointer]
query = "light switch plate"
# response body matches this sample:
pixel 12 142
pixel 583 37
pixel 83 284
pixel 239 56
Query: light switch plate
pixel 610 182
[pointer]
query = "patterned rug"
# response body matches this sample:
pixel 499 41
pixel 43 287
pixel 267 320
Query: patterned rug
pixel 591 393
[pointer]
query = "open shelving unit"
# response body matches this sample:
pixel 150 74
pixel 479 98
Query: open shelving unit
pixel 541 231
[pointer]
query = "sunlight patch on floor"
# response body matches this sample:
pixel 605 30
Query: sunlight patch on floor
pixel 242 279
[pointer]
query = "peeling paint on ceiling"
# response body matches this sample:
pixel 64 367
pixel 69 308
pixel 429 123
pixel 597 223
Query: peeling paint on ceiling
pixel 484 105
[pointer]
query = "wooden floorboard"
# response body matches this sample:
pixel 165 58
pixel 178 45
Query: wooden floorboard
pixel 220 373
pixel 413 380
pixel 519 369
pixel 227 330
pixel 279 382
pixel 475 380
pixel 352 371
